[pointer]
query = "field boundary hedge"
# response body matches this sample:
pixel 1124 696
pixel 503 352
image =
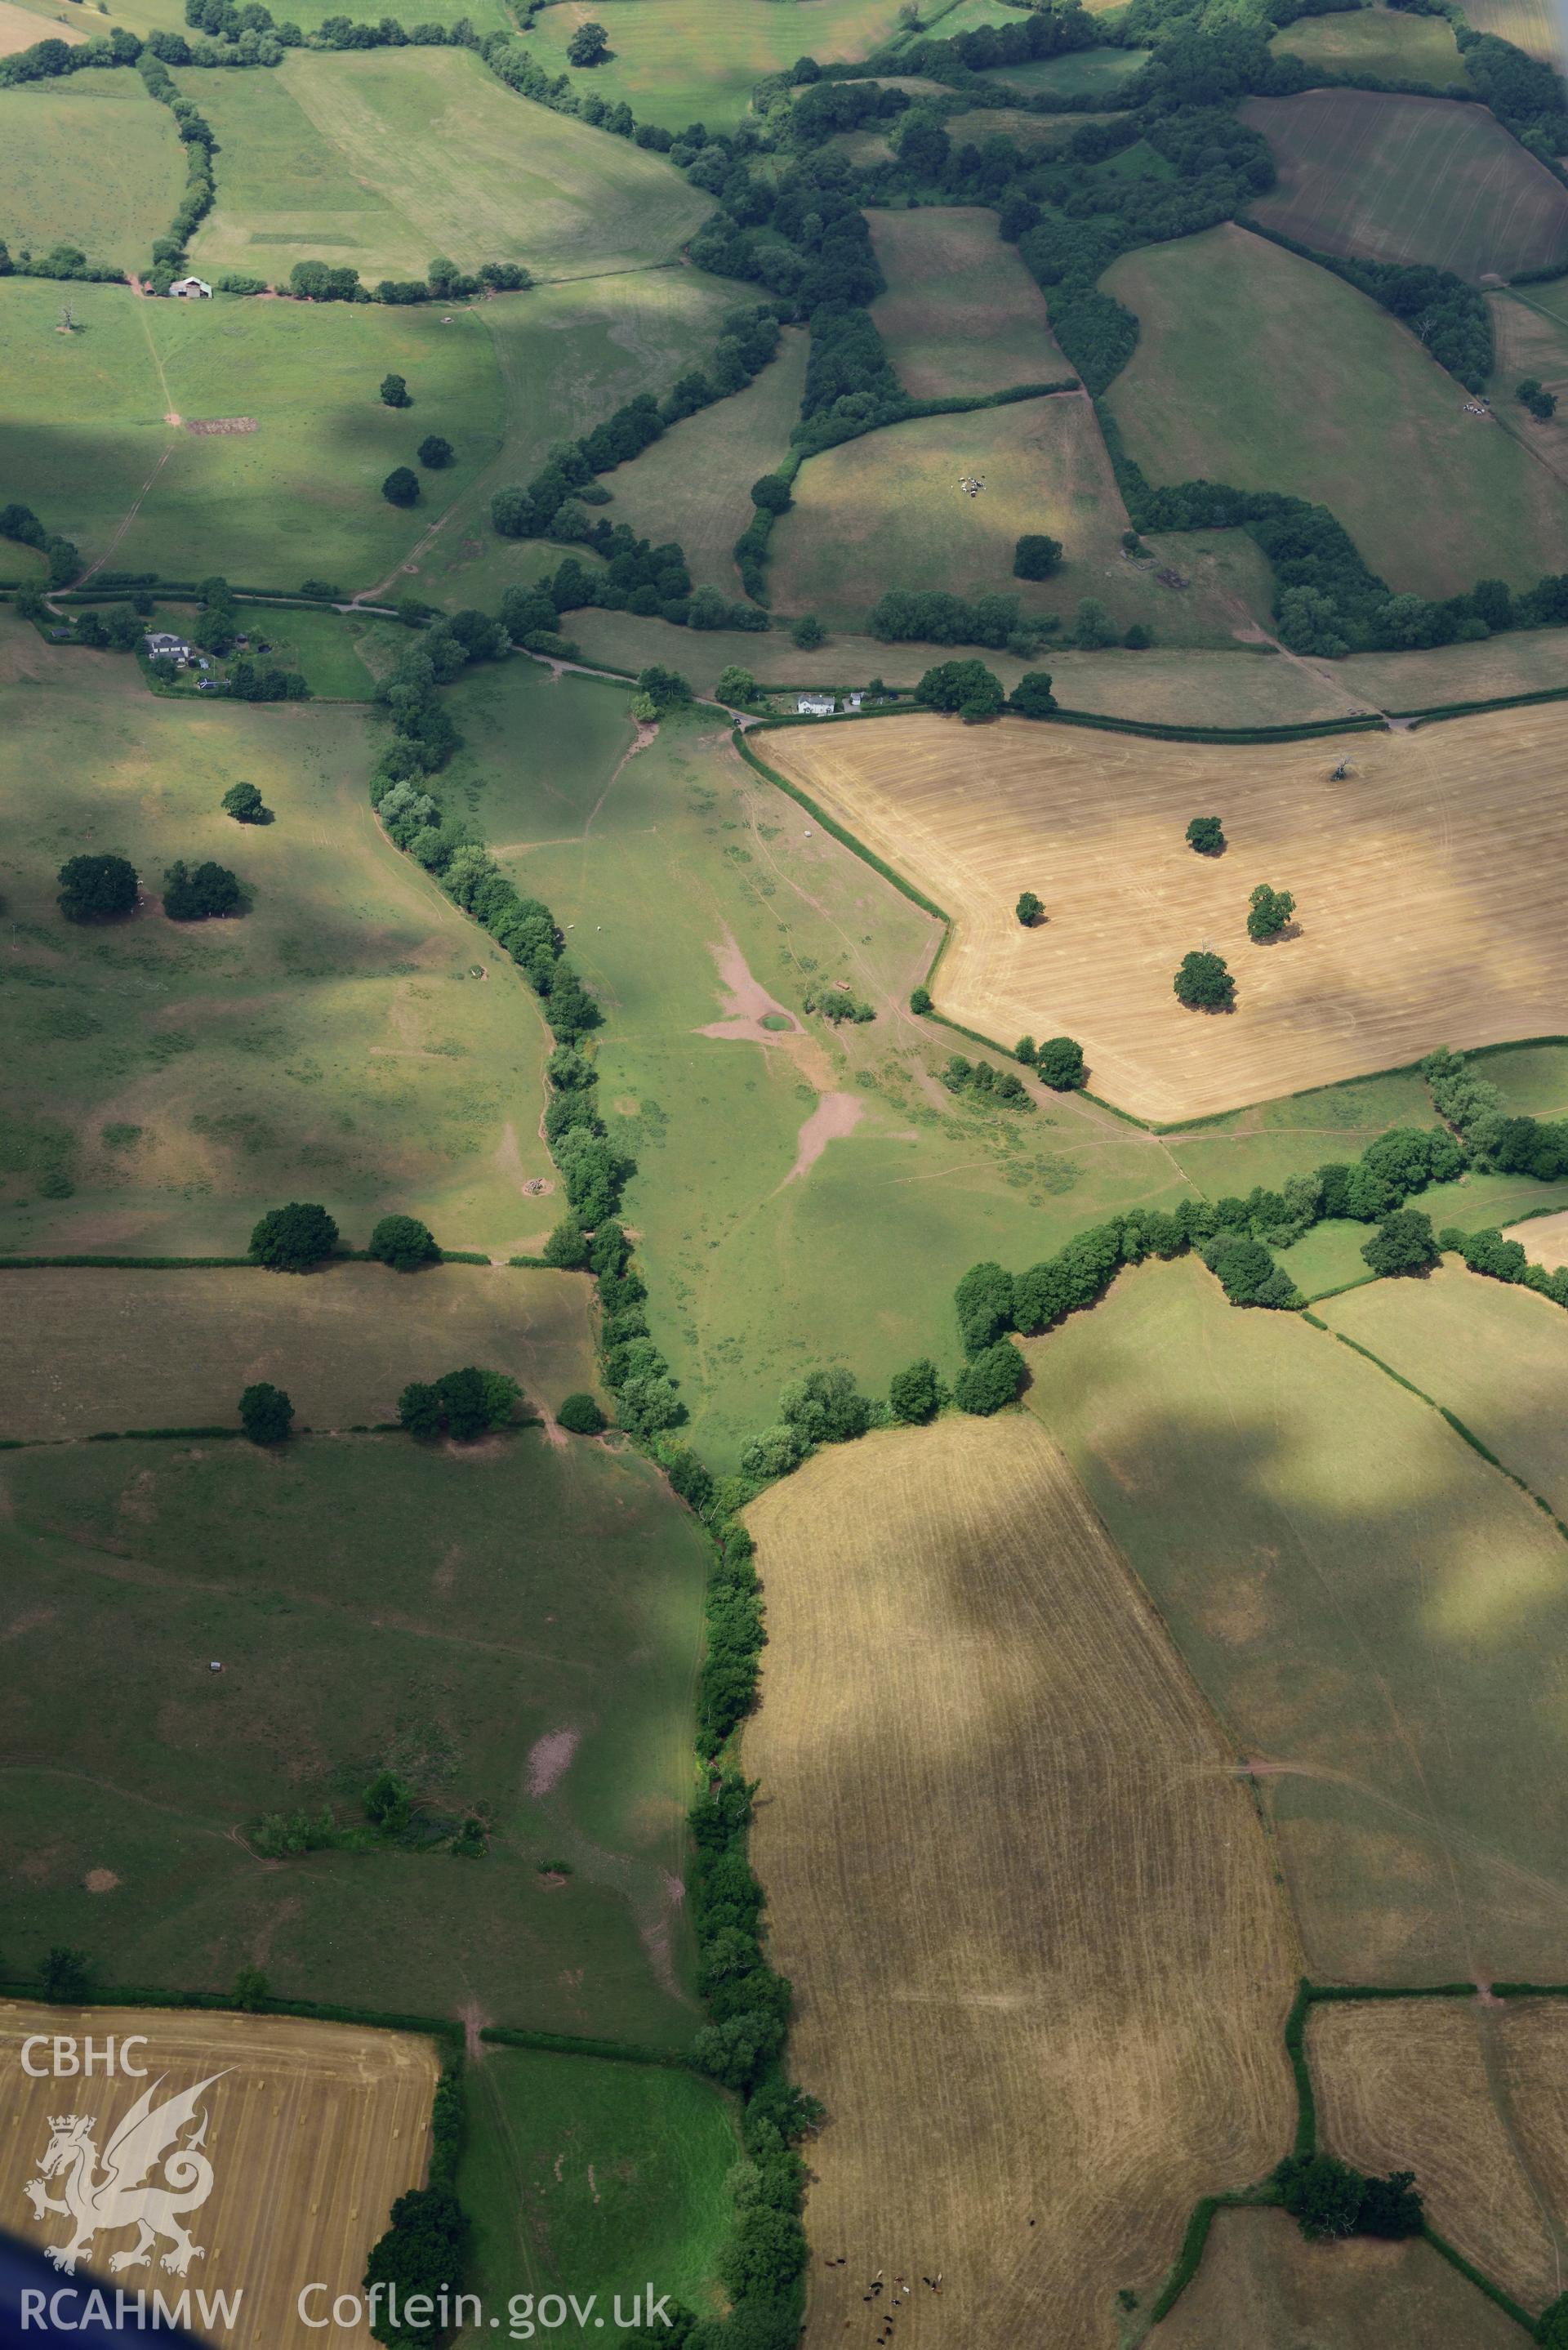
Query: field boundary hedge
pixel 565 2044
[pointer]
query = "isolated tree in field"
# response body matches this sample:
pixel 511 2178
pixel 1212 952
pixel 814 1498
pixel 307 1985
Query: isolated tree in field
pixel 1206 836
pixel 434 452
pixel 1532 393
pixel 243 802
pixel 1403 1242
pixel 1036 557
pixel 992 1379
pixel 64 1974
pixel 420 1410
pixel 589 45
pixel 1093 629
pixel 581 1416
pixel 200 893
pixel 1137 639
pixel 736 684
pixel 394 391
pixel 1031 696
pixel 808 632
pixel 401 486
pixel 954 684
pixel 1029 910
pixel 919 1002
pixel 1060 1061
pixel 826 1407
pixel 404 1243
pixel 266 1414
pixel 97 889
pixel 1204 983
pixel 293 1239
pixel 915 1394
pixel 1268 913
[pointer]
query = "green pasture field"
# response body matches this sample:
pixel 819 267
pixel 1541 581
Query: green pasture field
pixel 861 148
pixel 568 356
pixel 382 159
pixel 754 1270
pixel 1027 131
pixel 374 1604
pixel 1387 42
pixel 167 1082
pixel 694 485
pixel 169 15
pixel 92 161
pixel 1435 499
pixel 962 314
pixel 889 510
pixel 1524 660
pixel 699 61
pixel 1077 73
pixel 85 428
pixel 585 2177
pixel 1495 1356
pixel 1375 1612
pixel 1410 179
pixel 1173 688
pixel 97 1348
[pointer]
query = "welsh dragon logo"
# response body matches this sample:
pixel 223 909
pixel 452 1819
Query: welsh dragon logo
pixel 120 2194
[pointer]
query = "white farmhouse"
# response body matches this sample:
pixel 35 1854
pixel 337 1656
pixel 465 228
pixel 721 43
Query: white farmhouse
pixel 816 705
pixel 157 646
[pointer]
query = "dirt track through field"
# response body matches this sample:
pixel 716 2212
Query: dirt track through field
pixel 312 2131
pixel 1040 1962
pixel 1426 885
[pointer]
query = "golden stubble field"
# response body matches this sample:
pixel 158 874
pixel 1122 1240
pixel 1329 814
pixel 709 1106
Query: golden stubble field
pixel 1426 889
pixel 312 2131
pixel 1468 2095
pixel 1040 1957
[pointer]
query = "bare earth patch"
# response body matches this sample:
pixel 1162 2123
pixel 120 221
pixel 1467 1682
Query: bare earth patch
pixel 220 425
pixel 101 1880
pixel 549 1759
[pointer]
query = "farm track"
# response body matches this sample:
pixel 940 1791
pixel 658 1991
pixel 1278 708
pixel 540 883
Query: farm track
pixel 1040 1958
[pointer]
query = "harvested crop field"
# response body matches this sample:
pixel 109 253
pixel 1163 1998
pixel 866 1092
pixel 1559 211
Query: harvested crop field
pixel 1434 498
pixel 1544 1238
pixel 312 2131
pixel 1495 1355
pixel 22 28
pixel 1413 2084
pixel 1468 949
pixel 890 510
pixel 1263 2286
pixel 104 1349
pixel 1388 42
pixel 1408 178
pixel 1040 1960
pixel 1531 25
pixel 1534 2067
pixel 962 314
pixel 1375 1613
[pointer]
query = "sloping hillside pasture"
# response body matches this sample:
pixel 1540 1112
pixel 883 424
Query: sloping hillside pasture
pixel 1531 25
pixel 21 29
pixel 1524 660
pixel 759 1253
pixel 1495 1356
pixel 1373 1611
pixel 1434 499
pixel 1387 42
pixel 167 1081
pixel 694 485
pixel 83 425
pixel 1530 332
pixel 95 1349
pixel 962 314
pixel 587 2177
pixel 699 61
pixel 321 2127
pixel 1408 178
pixel 1468 949
pixel 380 159
pixel 1262 2284
pixel 510 1627
pixel 92 161
pixel 889 510
pixel 1039 1956
pixel 1414 2085
pixel 1077 73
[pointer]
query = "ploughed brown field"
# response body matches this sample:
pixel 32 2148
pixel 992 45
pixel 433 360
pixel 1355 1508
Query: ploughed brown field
pixel 1426 903
pixel 311 2132
pixel 1040 1955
